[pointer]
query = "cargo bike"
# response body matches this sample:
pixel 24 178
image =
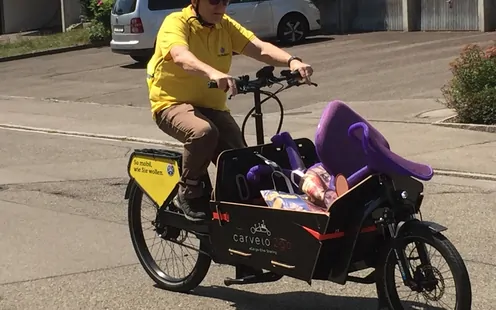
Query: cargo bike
pixel 370 224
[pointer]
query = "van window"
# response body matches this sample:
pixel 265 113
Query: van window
pixel 124 7
pixel 159 5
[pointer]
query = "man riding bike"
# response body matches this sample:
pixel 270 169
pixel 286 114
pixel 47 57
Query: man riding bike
pixel 194 46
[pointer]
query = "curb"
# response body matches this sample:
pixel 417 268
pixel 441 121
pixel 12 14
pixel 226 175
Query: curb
pixel 465 175
pixel 474 127
pixel 177 145
pixel 53 51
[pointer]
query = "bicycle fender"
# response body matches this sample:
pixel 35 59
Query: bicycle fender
pixel 432 226
pixel 128 188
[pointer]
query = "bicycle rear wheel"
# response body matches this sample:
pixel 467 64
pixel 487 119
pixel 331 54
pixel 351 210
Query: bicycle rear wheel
pixel 448 290
pixel 178 241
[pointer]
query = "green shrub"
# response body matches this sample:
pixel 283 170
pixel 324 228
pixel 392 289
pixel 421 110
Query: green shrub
pixel 100 10
pixel 98 32
pixel 472 89
pixel 85 10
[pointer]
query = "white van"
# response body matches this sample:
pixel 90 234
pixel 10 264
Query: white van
pixel 135 23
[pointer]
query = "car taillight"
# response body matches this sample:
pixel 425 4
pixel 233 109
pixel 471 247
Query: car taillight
pixel 136 25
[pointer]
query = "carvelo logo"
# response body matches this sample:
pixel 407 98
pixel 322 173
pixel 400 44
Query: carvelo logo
pixel 260 228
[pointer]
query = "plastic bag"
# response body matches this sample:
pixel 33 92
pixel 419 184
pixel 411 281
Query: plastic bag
pixel 315 184
pixel 316 197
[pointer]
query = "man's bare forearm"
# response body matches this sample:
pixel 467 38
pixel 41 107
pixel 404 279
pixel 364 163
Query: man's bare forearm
pixel 184 58
pixel 274 56
pixel 267 53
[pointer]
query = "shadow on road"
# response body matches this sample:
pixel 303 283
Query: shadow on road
pixel 136 65
pixel 244 300
pixel 309 40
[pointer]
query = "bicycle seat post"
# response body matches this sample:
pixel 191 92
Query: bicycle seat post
pixel 258 117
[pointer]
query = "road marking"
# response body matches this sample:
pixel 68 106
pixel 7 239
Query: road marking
pixel 90 135
pixel 102 105
pixel 466 175
pixel 176 145
pixel 55 100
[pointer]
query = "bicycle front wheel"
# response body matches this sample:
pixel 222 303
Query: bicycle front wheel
pixel 441 281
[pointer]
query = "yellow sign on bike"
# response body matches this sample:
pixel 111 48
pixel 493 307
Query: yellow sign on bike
pixel 157 176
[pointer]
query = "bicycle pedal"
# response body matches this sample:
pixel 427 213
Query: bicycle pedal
pixel 231 281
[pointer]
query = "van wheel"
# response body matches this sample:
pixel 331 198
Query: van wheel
pixel 141 59
pixel 293 28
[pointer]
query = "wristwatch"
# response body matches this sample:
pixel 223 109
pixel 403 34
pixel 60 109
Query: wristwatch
pixel 293 58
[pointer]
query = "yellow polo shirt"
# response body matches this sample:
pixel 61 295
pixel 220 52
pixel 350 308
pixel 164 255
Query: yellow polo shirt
pixel 169 84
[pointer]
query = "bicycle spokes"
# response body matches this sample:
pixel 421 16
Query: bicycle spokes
pixel 429 285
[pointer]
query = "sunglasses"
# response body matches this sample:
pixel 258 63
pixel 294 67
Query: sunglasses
pixel 216 2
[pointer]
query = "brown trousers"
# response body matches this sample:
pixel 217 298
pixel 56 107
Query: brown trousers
pixel 205 134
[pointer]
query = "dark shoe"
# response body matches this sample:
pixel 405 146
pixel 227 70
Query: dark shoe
pixel 192 208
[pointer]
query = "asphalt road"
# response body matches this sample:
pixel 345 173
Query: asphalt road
pixel 373 66
pixel 66 245
pixel 64 238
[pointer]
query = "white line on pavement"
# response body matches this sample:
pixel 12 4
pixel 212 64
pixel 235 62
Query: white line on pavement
pixel 54 100
pixel 467 175
pixel 173 144
pixel 89 135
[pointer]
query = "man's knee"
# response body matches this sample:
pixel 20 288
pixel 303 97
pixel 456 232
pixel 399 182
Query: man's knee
pixel 207 133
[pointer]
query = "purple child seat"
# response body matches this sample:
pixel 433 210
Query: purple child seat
pixel 347 144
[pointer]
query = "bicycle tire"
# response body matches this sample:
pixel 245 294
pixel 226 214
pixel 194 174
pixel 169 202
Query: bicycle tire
pixel 448 252
pixel 164 281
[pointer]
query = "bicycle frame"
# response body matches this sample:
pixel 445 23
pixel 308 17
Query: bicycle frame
pixel 259 128
pixel 366 226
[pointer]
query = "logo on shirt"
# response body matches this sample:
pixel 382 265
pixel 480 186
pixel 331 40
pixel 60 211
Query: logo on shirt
pixel 222 52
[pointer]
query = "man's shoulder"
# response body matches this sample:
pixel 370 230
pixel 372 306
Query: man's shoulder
pixel 231 23
pixel 174 20
pixel 235 28
pixel 178 16
pixel 227 20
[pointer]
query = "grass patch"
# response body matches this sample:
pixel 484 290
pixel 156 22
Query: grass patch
pixel 26 45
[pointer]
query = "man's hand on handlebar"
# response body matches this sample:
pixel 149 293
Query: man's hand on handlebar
pixel 304 69
pixel 264 78
pixel 224 82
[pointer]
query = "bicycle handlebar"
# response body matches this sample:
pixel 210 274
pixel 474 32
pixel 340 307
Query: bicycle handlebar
pixel 265 77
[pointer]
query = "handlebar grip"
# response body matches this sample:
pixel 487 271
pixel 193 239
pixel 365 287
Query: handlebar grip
pixel 212 84
pixel 291 74
pixel 295 73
